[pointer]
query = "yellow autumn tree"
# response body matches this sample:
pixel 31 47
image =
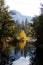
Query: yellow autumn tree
pixel 22 34
pixel 22 38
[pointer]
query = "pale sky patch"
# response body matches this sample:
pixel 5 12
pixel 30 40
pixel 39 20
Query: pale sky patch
pixel 25 7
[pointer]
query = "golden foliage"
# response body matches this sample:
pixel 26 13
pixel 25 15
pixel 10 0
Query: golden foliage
pixel 22 34
pixel 22 45
pixel 22 37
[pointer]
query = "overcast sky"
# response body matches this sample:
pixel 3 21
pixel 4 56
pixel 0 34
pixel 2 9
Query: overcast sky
pixel 25 7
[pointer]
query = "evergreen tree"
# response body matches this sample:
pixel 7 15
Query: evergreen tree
pixel 23 26
pixel 8 27
pixel 8 31
pixel 27 26
pixel 38 28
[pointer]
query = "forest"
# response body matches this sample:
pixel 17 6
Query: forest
pixel 19 37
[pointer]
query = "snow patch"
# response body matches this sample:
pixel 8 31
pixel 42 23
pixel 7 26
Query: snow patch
pixel 22 61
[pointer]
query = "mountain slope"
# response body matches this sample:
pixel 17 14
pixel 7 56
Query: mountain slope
pixel 18 16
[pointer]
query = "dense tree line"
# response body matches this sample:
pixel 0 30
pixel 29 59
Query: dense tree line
pixel 38 30
pixel 8 32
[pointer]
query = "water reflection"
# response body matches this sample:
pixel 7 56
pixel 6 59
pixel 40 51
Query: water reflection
pixel 28 52
pixel 14 57
pixel 30 55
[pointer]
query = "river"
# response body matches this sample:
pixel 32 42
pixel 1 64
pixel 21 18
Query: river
pixel 29 56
